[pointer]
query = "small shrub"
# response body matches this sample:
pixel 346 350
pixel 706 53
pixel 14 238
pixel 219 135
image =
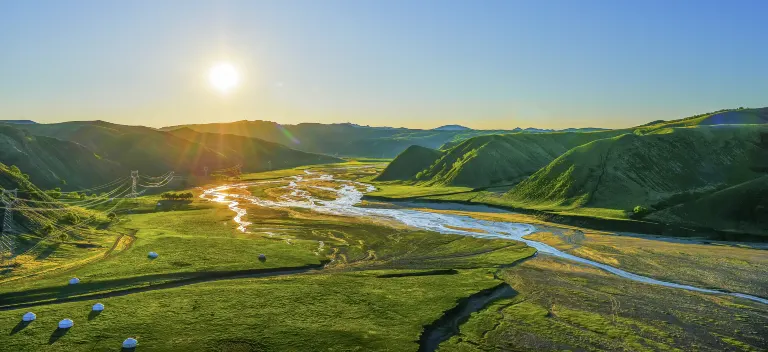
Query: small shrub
pixel 639 211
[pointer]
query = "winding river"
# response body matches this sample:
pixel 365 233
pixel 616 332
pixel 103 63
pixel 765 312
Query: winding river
pixel 350 193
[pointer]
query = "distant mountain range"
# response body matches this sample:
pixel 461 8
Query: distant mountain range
pixel 452 128
pixel 19 122
pixel 74 155
pixel 351 140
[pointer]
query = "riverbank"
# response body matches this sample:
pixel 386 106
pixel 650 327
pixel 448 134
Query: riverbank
pixel 597 223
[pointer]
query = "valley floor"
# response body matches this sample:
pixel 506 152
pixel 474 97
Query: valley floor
pixel 343 283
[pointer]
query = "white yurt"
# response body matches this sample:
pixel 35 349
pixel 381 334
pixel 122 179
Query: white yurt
pixel 98 307
pixel 152 255
pixel 74 281
pixel 130 343
pixel 262 256
pixel 66 324
pixel 29 317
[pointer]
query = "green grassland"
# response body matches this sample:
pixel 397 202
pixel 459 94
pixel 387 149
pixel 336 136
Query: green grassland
pixel 373 285
pixel 199 239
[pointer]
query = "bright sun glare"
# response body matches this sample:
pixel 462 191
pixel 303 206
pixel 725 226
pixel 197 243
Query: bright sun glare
pixel 223 77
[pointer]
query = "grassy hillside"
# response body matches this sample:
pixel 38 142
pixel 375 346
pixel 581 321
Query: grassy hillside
pixel 51 162
pixel 498 159
pixel 647 170
pixel 35 215
pixel 740 208
pixel 137 148
pixel 723 117
pixel 507 159
pixel 408 163
pixel 254 154
pixel 156 152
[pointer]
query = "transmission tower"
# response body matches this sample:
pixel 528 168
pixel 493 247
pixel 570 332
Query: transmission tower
pixel 6 240
pixel 270 165
pixel 205 170
pixel 134 178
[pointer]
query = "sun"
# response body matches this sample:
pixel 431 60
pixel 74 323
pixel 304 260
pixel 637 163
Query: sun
pixel 223 77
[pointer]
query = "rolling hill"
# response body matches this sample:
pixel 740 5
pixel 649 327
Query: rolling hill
pixel 409 163
pixel 489 160
pixel 648 170
pixel 254 154
pixel 347 139
pixel 37 214
pixel 51 162
pixel 93 152
pixel 739 208
pixel 338 139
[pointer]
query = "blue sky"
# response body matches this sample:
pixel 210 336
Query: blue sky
pixel 484 64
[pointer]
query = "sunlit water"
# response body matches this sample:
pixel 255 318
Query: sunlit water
pixel 350 193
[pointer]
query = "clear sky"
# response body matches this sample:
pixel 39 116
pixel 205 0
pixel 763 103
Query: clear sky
pixel 413 63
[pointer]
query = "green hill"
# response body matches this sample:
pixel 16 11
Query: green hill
pixel 409 163
pixel 155 152
pixel 723 117
pixel 254 154
pixel 740 208
pixel 495 159
pixel 507 159
pixel 632 169
pixel 35 214
pixel 51 162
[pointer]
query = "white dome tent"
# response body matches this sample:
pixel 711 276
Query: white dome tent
pixel 98 307
pixel 74 281
pixel 130 343
pixel 66 324
pixel 152 255
pixel 29 316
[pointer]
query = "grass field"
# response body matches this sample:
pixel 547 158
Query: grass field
pixel 373 286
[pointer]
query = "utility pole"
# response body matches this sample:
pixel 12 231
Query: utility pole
pixel 134 178
pixel 6 240
pixel 270 165
pixel 205 170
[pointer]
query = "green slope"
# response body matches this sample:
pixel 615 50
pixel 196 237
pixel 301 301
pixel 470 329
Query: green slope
pixel 36 215
pixel 155 152
pixel 629 170
pixel 507 159
pixel 51 162
pixel 254 154
pixel 723 117
pixel 740 208
pixel 499 159
pixel 409 163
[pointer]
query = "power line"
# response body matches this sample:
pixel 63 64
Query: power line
pixel 7 242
